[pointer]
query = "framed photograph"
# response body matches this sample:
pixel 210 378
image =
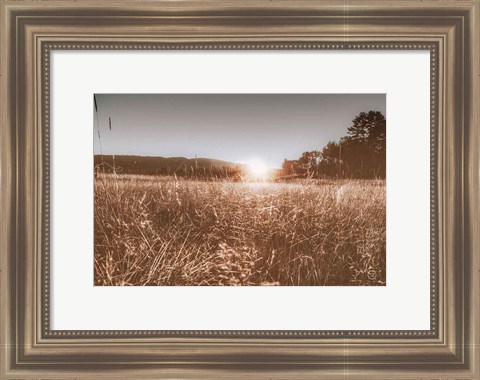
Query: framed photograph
pixel 221 190
pixel 256 189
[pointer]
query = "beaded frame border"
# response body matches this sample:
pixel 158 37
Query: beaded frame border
pixel 48 47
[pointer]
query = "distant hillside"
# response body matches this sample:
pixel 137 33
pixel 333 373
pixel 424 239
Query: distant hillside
pixel 180 166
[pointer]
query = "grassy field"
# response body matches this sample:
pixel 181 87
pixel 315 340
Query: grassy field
pixel 169 231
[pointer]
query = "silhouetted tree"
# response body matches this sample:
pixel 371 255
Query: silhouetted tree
pixel 308 162
pixel 364 149
pixel 331 163
pixel 363 124
pixel 288 167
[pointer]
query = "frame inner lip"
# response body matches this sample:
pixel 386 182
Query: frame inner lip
pixel 47 47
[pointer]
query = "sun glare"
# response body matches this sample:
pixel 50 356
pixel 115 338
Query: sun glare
pixel 258 168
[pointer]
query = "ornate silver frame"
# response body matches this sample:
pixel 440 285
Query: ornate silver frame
pixel 31 30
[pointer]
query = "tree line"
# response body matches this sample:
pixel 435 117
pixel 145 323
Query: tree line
pixel 359 154
pixel 197 168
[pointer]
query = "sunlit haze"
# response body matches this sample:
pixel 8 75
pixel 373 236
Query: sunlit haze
pixel 258 168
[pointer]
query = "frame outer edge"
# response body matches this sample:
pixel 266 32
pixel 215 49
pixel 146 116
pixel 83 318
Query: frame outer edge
pixel 4 204
pixel 473 188
pixel 7 193
pixel 471 220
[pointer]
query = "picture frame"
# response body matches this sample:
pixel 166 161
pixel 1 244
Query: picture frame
pixel 31 30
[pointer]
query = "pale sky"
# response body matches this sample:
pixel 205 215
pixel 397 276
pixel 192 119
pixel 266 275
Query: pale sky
pixel 230 127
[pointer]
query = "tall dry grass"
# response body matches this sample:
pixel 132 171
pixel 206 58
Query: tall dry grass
pixel 169 231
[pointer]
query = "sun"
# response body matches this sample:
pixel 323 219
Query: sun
pixel 257 168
